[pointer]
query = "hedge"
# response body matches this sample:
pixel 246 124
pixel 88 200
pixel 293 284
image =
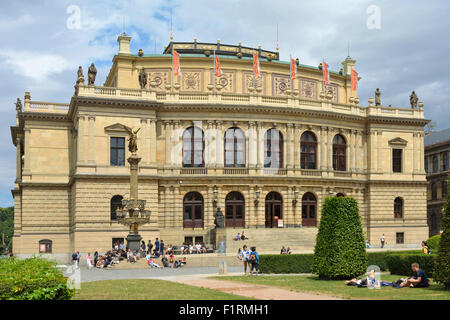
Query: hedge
pixel 301 263
pixel 340 251
pixel 32 279
pixel 433 243
pixel 401 263
pixel 442 265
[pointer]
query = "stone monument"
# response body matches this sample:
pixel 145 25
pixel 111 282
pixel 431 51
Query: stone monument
pixel 92 74
pixel 413 99
pixel 378 97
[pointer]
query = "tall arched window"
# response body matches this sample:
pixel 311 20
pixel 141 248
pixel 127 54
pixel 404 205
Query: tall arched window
pixel 116 202
pixel 308 153
pixel 309 209
pixel 234 210
pixel 193 210
pixel 398 208
pixel 234 148
pixel 273 149
pixel 339 153
pixel 193 147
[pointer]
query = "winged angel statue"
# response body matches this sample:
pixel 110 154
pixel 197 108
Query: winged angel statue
pixel 132 144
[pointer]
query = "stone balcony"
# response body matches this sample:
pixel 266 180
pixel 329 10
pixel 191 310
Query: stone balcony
pixel 174 96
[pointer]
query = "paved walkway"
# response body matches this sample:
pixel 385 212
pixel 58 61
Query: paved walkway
pixel 200 277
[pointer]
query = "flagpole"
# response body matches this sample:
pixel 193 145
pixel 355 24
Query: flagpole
pixel 323 75
pixel 214 72
pixel 292 70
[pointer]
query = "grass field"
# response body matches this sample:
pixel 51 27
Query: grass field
pixel 147 289
pixel 339 289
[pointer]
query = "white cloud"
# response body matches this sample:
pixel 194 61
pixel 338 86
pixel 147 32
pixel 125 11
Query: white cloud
pixel 20 22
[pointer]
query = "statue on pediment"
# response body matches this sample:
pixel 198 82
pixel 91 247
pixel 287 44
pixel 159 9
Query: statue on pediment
pixel 80 78
pixel 413 99
pixel 142 79
pixel 92 74
pixel 18 105
pixel 378 97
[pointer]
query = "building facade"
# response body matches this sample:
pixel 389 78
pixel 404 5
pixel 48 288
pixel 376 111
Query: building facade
pixel 437 153
pixel 266 151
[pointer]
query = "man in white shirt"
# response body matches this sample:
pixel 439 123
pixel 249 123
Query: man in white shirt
pixel 245 257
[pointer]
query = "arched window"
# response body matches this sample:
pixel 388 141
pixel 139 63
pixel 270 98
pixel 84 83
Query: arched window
pixel 234 210
pixel 116 202
pixel 273 149
pixel 309 210
pixel 193 147
pixel 308 153
pixel 398 208
pixel 45 246
pixel 445 161
pixel 234 148
pixel 274 209
pixel 193 210
pixel 339 152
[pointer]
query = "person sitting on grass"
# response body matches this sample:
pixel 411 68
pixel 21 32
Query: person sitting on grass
pixel 288 250
pixel 283 250
pixel 152 263
pixel 243 237
pixel 418 280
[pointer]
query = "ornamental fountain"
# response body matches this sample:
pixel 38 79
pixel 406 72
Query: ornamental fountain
pixel 133 213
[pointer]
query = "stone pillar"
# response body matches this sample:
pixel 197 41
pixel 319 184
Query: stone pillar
pixel 330 149
pixel 359 151
pixel 415 153
pixel 372 148
pixel 80 140
pixel 168 160
pixel 260 146
pixel 134 160
pixel 210 146
pixel 18 159
pixel 322 163
pixel 152 142
pixel 219 145
pixel 354 150
pixel 143 142
pixel 176 144
pixel 27 155
pixel 380 151
pixel 422 154
pixel 290 146
pixel 167 212
pixel 91 141
pixel 252 145
pixel 250 221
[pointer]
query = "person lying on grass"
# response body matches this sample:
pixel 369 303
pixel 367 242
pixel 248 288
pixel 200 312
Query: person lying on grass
pixel 367 281
pixel 418 280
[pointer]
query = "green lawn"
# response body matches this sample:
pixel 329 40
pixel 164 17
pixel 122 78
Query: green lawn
pixel 147 289
pixel 339 289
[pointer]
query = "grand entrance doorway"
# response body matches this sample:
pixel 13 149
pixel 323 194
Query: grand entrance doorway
pixel 193 210
pixel 274 209
pixel 234 210
pixel 309 207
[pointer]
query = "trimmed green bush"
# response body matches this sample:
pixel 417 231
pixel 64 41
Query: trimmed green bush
pixel 401 263
pixel 340 251
pixel 433 243
pixel 32 279
pixel 442 264
pixel 285 263
pixel 301 263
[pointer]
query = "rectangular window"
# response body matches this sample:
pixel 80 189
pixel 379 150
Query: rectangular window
pixel 435 164
pixel 397 160
pixel 400 237
pixel 445 161
pixel 117 151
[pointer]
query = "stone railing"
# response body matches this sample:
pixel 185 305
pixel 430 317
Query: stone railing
pixel 235 171
pixel 324 103
pixel 196 171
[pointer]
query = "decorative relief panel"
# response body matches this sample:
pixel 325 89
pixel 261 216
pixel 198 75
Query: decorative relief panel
pixel 280 83
pixel 160 76
pixel 333 89
pixel 308 89
pixel 248 82
pixel 227 81
pixel 192 80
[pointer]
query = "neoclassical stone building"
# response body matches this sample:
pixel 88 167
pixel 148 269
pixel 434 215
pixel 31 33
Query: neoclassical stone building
pixel 266 151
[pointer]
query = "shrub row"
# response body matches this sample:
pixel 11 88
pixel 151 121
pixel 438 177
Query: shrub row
pixel 401 263
pixel 32 279
pixel 301 263
pixel 433 243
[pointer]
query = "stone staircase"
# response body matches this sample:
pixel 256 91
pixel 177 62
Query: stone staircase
pixel 300 240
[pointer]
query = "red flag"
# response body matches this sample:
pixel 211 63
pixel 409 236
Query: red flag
pixel 326 74
pixel 256 69
pixel 354 80
pixel 219 72
pixel 176 64
pixel 293 69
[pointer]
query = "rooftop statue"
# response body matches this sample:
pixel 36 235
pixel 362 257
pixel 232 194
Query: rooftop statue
pixel 142 79
pixel 18 105
pixel 92 74
pixel 378 97
pixel 132 145
pixel 80 78
pixel 413 99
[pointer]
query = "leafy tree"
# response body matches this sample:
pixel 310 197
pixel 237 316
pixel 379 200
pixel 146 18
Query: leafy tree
pixel 442 265
pixel 6 227
pixel 340 251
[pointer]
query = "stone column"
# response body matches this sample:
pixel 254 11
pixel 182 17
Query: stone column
pixel 176 144
pixel 143 142
pixel 330 149
pixel 290 147
pixel 80 140
pixel 296 149
pixel 27 155
pixel 372 148
pixel 210 145
pixel 260 146
pixel 168 160
pixel 354 149
pixel 250 220
pixel 422 154
pixel 380 151
pixel 18 159
pixel 252 145
pixel 322 163
pixel 166 215
pixel 152 142
pixel 414 152
pixel 91 141
pixel 134 160
pixel 219 145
